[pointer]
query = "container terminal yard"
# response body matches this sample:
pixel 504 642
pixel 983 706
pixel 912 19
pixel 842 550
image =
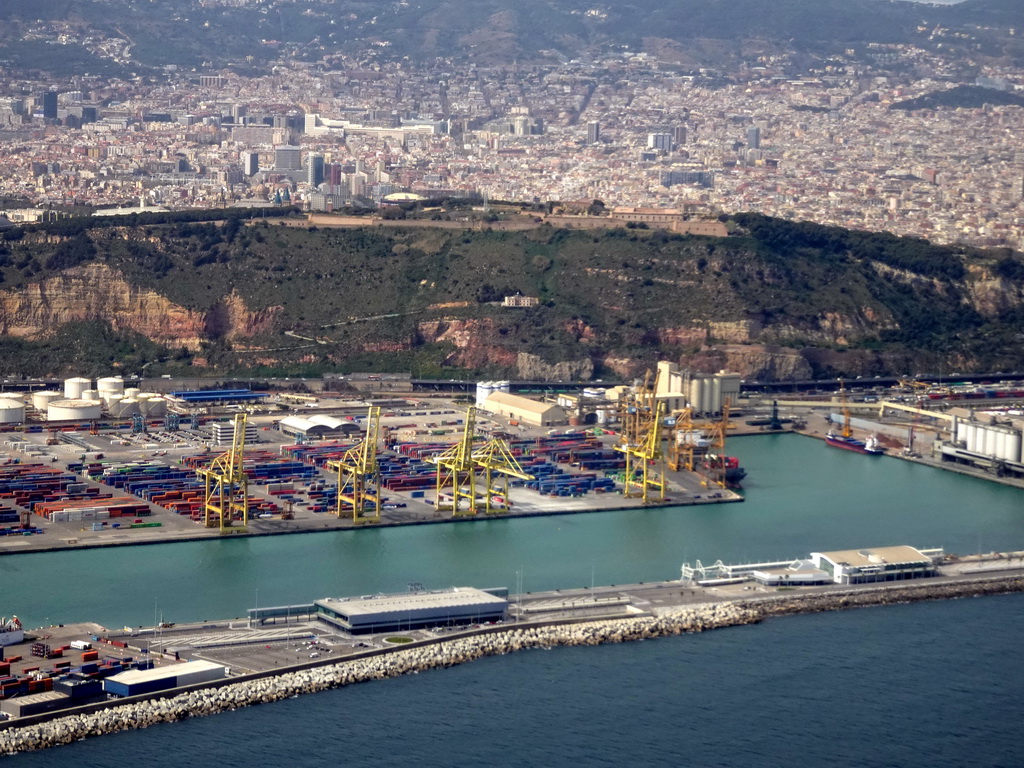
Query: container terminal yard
pixel 133 467
pixel 49 670
pixel 107 464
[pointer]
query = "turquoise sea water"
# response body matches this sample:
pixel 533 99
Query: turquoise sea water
pixel 929 684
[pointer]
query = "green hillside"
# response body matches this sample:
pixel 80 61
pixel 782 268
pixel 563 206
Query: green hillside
pixel 428 299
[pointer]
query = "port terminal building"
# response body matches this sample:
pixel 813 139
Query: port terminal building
pixel 414 610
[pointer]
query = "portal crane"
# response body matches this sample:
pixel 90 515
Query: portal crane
pixel 455 469
pixel 644 455
pixel 715 462
pixel 681 440
pixel 357 470
pixel 464 469
pixel 226 486
pixel 497 463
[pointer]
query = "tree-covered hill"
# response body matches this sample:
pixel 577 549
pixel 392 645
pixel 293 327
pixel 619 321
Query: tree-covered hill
pixel 781 298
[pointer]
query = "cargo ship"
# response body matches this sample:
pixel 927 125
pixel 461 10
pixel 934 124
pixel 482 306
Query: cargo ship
pixel 734 473
pixel 870 446
pixel 846 440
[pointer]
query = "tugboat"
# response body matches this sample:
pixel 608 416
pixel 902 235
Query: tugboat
pixel 846 440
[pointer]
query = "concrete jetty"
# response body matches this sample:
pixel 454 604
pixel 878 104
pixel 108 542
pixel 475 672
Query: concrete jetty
pixel 40 732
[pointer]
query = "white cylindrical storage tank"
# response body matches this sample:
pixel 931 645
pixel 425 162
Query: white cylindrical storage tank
pixel 43 398
pixel 11 411
pixel 602 416
pixel 1014 448
pixel 111 398
pixel 91 394
pixel 18 396
pixel 717 402
pixel 132 392
pixel 990 442
pixel 504 386
pixel 75 387
pixel 127 406
pixel 966 433
pixel 155 406
pixel 110 384
pixel 73 410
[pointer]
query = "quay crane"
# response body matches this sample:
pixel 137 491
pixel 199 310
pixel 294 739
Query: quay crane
pixel 640 441
pixel 463 468
pixel 358 469
pixel 226 486
pixel 681 437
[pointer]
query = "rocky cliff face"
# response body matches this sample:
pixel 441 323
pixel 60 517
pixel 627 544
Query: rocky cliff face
pixel 96 292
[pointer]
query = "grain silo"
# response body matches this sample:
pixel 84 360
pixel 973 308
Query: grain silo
pixel 73 410
pixel 11 411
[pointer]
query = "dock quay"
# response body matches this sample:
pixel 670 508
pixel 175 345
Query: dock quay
pixel 274 662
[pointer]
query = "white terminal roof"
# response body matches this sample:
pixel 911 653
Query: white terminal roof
pixel 134 676
pixel 877 555
pixel 457 597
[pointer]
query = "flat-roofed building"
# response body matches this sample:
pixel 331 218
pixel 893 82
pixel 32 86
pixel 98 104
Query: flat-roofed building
pixel 413 610
pixel 857 566
pixel 518 408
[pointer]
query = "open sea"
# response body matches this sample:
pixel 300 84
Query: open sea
pixel 933 684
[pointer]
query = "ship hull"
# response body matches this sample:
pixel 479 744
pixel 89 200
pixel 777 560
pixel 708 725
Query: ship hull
pixel 850 444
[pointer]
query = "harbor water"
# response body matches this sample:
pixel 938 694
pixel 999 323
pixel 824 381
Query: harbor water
pixel 910 685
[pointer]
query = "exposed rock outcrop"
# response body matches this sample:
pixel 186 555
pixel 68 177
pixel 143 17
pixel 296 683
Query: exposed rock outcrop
pixel 96 292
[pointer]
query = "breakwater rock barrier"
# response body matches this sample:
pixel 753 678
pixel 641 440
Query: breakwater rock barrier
pixel 142 712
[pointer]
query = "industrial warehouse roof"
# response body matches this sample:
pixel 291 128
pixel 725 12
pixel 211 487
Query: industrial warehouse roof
pixel 517 401
pixel 136 676
pixel 876 556
pixel 457 597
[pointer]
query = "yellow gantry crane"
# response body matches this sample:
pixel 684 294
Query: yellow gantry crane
pixel 456 470
pixel 498 464
pixel 357 470
pixel 640 441
pixel 464 470
pixel 715 461
pixel 681 440
pixel 226 497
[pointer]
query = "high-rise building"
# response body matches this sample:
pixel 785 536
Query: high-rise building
pixel 679 135
pixel 660 141
pixel 250 163
pixel 287 158
pixel 314 170
pixel 334 175
pixel 50 105
pixel 754 137
pixel 593 132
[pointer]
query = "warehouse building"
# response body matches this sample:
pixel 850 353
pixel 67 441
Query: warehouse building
pixel 525 410
pixel 319 427
pixel 859 566
pixel 136 682
pixel 413 610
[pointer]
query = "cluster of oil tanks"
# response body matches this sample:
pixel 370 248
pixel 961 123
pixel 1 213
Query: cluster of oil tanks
pixel 81 402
